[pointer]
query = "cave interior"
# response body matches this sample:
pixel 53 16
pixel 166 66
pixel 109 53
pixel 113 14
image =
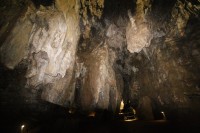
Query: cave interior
pixel 69 65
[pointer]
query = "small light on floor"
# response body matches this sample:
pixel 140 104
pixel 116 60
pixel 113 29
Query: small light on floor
pixel 92 114
pixel 128 120
pixel 70 111
pixel 121 105
pixel 163 113
pixel 22 127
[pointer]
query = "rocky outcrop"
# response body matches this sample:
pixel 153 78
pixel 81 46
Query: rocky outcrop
pixel 90 11
pixel 138 34
pixel 49 43
pixel 179 19
pixel 165 73
pixel 98 83
pixel 15 48
pixel 143 51
pixel 62 91
pixel 115 37
pixel 48 54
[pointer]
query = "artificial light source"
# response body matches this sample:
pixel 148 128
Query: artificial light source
pixel 70 111
pixel 22 127
pixel 131 119
pixel 92 114
pixel 163 113
pixel 121 105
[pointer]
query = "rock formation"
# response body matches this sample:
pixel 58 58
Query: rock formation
pixel 92 54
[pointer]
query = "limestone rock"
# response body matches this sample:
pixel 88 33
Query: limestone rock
pixel 61 92
pixel 70 9
pixel 99 88
pixel 179 16
pixel 142 7
pixel 64 30
pixel 48 54
pixel 15 47
pixel 95 8
pixel 138 35
pixel 115 37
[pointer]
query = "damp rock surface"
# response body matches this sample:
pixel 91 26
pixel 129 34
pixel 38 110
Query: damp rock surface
pixel 46 48
pixel 14 49
pixel 138 32
pixel 98 81
pixel 90 55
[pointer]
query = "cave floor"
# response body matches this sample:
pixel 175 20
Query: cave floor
pixel 74 124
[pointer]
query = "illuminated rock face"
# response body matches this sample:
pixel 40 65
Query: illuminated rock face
pixel 14 49
pixel 47 38
pixel 99 89
pixel 52 55
pixel 138 37
pixel 150 58
pixel 62 90
pixel 48 54
pixel 138 34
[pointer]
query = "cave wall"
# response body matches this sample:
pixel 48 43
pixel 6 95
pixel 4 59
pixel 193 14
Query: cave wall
pixel 90 55
pixel 167 71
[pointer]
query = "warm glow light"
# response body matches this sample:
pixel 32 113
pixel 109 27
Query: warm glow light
pixel 131 119
pixel 70 111
pixel 22 127
pixel 122 105
pixel 121 113
pixel 92 114
pixel 163 113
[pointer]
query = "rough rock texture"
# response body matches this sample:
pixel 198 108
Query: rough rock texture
pixel 179 16
pixel 48 54
pixel 146 52
pixel 98 87
pixel 167 70
pixel 115 37
pixel 62 91
pixel 138 37
pixel 138 34
pixel 49 41
pixel 90 11
pixel 52 54
pixel 14 48
pixel 94 6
